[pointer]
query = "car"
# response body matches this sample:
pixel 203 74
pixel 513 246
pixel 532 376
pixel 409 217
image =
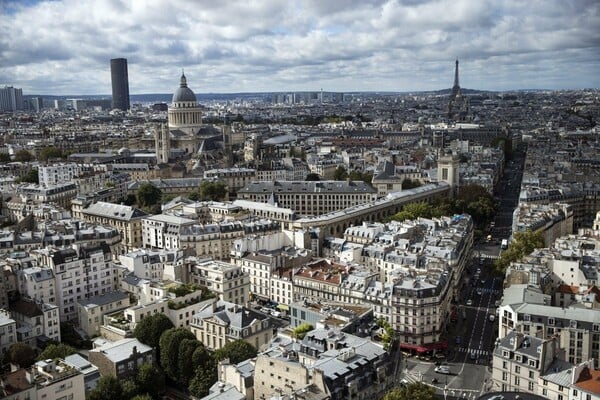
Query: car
pixel 469 302
pixel 442 369
pixel 473 355
pixel 478 271
pixel 458 340
pixel 479 291
pixel 492 317
pixel 439 356
pixel 482 280
pixel 497 303
pixel 404 383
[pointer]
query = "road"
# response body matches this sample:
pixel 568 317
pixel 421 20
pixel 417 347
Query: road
pixel 470 358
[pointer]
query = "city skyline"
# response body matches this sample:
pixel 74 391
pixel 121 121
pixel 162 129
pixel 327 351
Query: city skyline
pixel 299 46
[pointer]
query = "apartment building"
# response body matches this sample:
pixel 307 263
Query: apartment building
pixel 127 219
pixel 80 273
pixel 352 367
pixel 219 322
pixel 163 231
pixel 228 281
pixel 216 239
pixel 121 358
pixel 577 329
pixel 38 284
pixel 234 178
pixel 91 312
pixel 553 220
pixel 49 379
pixel 60 194
pixel 310 198
pixel 278 373
pixel 37 322
pixel 519 360
pixel 154 265
pixel 261 266
pixel 8 331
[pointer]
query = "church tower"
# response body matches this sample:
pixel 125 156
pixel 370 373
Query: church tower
pixel 162 144
pixel 447 171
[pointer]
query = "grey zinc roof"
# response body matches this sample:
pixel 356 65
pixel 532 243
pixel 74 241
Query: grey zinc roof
pixel 116 211
pixel 224 391
pixel 559 372
pixel 39 274
pixel 103 299
pixel 122 349
pixel 308 187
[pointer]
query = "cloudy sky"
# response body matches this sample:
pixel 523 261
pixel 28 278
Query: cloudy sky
pixel 64 46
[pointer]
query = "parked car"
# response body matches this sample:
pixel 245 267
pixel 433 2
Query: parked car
pixel 469 302
pixel 492 317
pixel 458 340
pixel 442 369
pixel 479 291
pixel 473 355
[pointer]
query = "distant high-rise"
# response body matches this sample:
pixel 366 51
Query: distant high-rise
pixel 11 99
pixel 120 83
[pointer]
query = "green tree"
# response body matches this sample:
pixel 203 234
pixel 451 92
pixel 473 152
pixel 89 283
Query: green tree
pixel 30 177
pixel 23 156
pixel 185 362
pixel 413 391
pixel 147 195
pixel 108 388
pixel 48 153
pixel 215 191
pixel 21 354
pixel 301 330
pixel 388 333
pixel 414 211
pixel 237 351
pixel 204 378
pixel 5 158
pixel 149 329
pixel 194 196
pixel 340 174
pixel 359 176
pixel 169 350
pixel 150 379
pixel 130 389
pixel 311 176
pixel 143 397
pixel 410 184
pixel 201 357
pixel 523 243
pixel 53 351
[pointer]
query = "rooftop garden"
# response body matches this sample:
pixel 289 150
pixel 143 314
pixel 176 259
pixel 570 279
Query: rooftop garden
pixel 206 294
pixel 184 289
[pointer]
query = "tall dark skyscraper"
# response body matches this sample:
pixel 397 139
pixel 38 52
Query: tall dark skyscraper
pixel 120 83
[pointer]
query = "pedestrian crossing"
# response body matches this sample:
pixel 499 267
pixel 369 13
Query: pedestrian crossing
pixel 478 352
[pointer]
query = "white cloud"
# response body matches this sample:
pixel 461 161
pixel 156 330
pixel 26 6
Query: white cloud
pixel 64 46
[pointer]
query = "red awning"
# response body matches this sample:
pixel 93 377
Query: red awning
pixel 416 347
pixel 436 346
pixel 425 347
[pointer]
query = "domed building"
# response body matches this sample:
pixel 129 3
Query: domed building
pixel 186 135
pixel 184 112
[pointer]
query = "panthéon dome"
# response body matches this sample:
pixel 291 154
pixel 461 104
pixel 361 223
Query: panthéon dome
pixel 183 92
